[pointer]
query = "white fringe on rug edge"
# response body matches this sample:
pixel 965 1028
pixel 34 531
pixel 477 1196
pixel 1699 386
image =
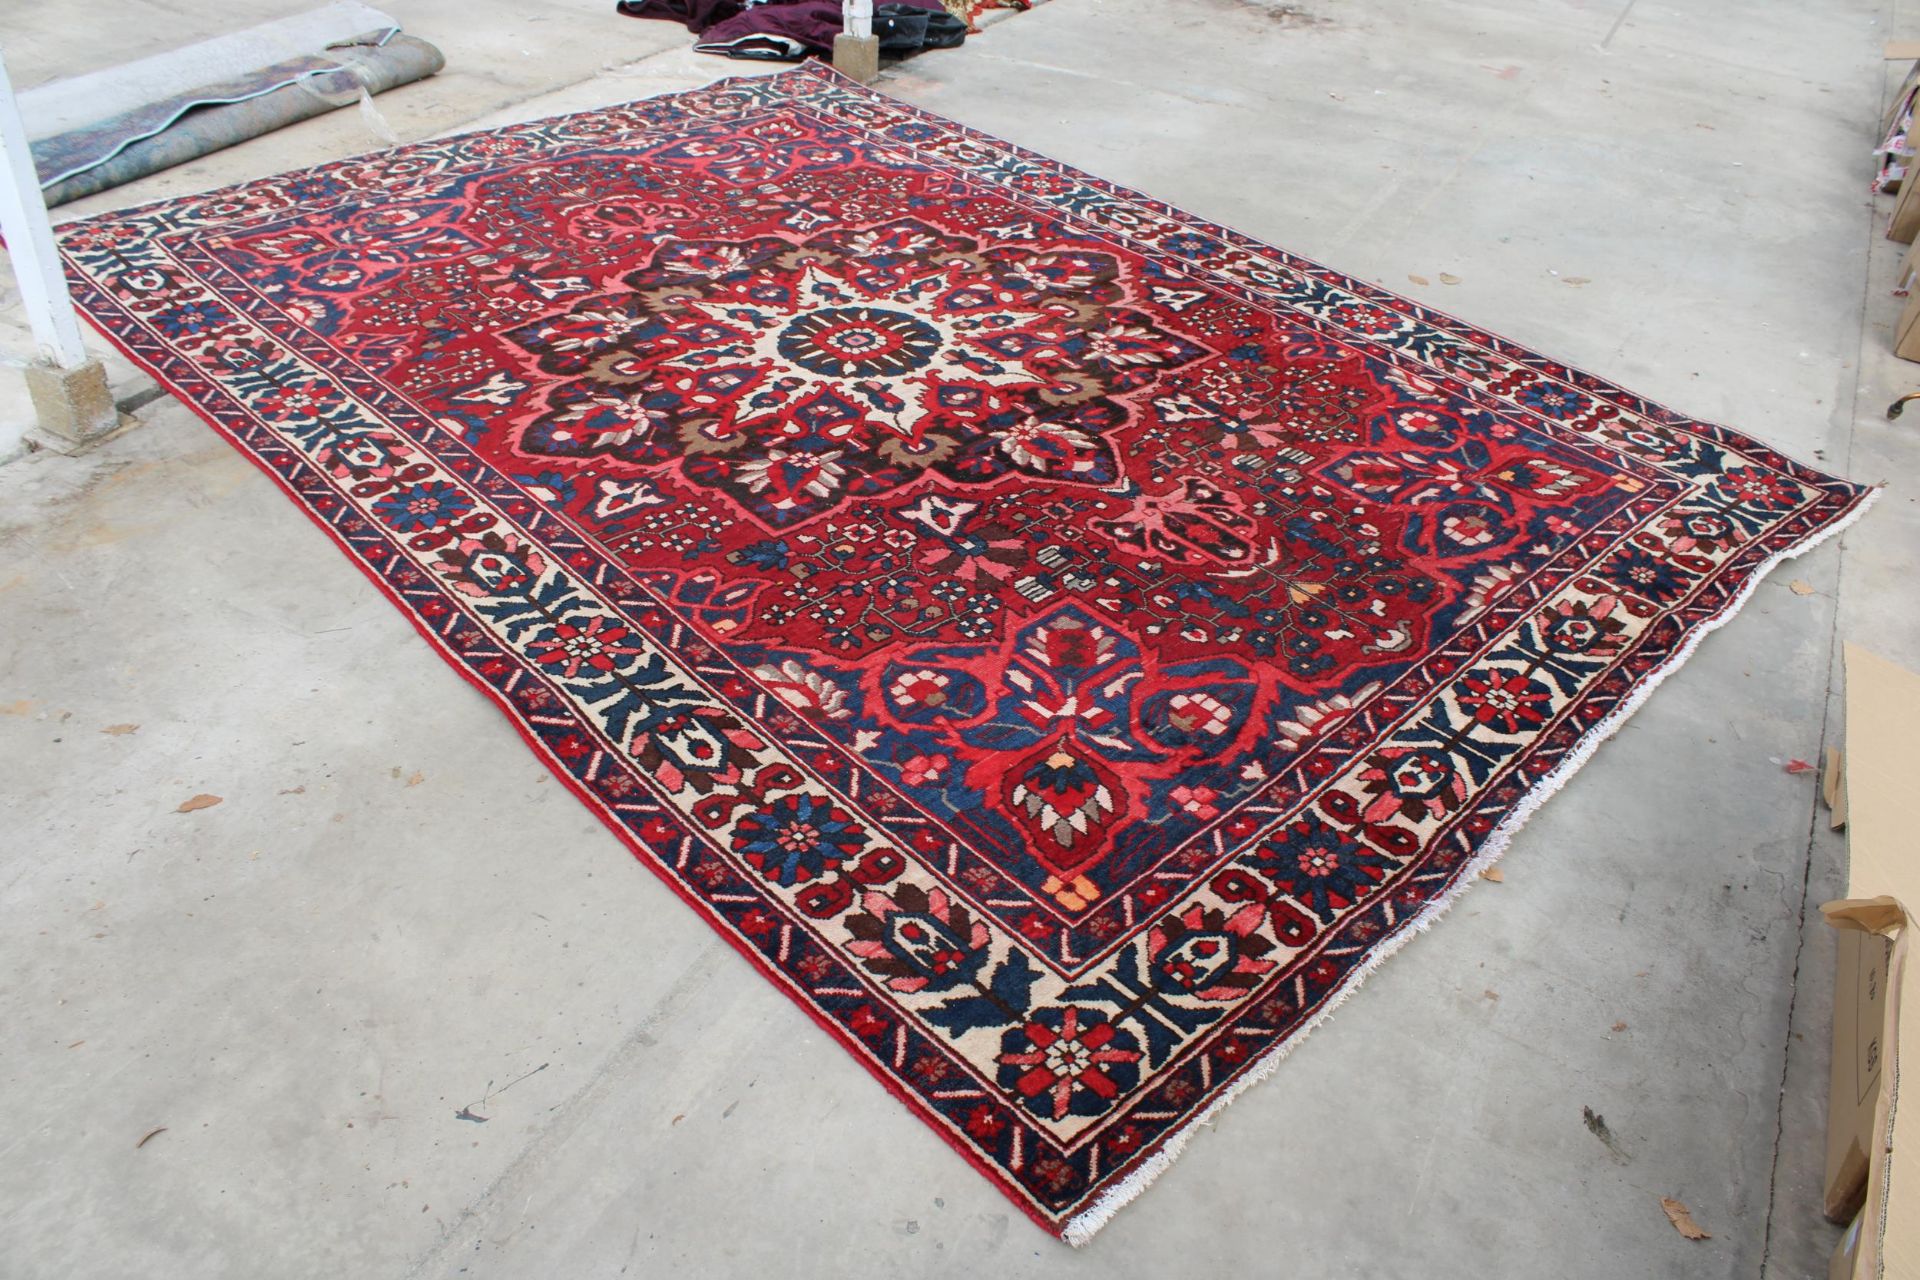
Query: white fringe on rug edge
pixel 1081 1227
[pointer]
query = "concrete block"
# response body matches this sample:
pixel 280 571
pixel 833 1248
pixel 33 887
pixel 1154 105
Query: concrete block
pixel 73 405
pixel 857 57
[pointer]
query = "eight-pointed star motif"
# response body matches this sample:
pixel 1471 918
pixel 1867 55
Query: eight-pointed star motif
pixel 795 376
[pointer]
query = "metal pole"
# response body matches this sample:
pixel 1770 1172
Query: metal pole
pixel 856 18
pixel 29 236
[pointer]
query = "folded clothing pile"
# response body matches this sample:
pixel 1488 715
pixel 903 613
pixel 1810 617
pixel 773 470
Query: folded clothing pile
pixel 790 30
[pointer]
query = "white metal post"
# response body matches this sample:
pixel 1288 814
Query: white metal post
pixel 856 52
pixel 69 388
pixel 856 18
pixel 29 236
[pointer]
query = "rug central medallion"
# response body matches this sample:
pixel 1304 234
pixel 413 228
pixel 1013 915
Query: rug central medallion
pixel 795 376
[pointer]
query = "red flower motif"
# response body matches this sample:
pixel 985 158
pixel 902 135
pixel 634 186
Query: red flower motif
pixel 984 1122
pixel 1036 928
pixel 1068 1061
pixel 1507 700
pixel 1765 490
pixel 596 645
pixel 1153 895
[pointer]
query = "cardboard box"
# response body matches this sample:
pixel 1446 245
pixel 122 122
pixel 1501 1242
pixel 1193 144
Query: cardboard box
pixel 1906 214
pixel 1906 333
pixel 1893 148
pixel 1872 950
pixel 1872 1162
pixel 1897 105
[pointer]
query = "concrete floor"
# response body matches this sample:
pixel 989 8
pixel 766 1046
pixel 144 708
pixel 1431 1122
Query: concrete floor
pixel 395 915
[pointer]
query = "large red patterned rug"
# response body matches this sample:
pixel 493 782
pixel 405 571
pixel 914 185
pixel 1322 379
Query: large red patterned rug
pixel 1062 643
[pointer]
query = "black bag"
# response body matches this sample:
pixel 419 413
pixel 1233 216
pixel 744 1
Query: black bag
pixel 903 29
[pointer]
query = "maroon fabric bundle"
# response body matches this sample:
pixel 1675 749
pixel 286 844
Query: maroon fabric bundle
pixel 781 30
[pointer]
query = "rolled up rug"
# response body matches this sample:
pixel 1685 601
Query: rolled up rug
pixel 94 131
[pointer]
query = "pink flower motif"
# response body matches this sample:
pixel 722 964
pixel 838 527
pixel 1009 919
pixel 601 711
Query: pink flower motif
pixel 1197 801
pixel 921 770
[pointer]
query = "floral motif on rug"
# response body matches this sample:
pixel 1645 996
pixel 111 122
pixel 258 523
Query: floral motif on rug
pixel 1062 643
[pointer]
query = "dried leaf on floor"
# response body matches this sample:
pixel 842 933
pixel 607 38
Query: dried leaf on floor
pixel 1447 277
pixel 1576 281
pixel 1419 279
pixel 151 1135
pixel 416 778
pixel 1619 1027
pixel 294 791
pixel 1682 1219
pixel 201 801
pixel 1800 588
pixel 120 730
pixel 1494 874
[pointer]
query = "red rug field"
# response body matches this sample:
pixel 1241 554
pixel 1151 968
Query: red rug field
pixel 1063 644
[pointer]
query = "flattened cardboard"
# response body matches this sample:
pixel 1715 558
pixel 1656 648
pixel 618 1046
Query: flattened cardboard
pixel 1883 842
